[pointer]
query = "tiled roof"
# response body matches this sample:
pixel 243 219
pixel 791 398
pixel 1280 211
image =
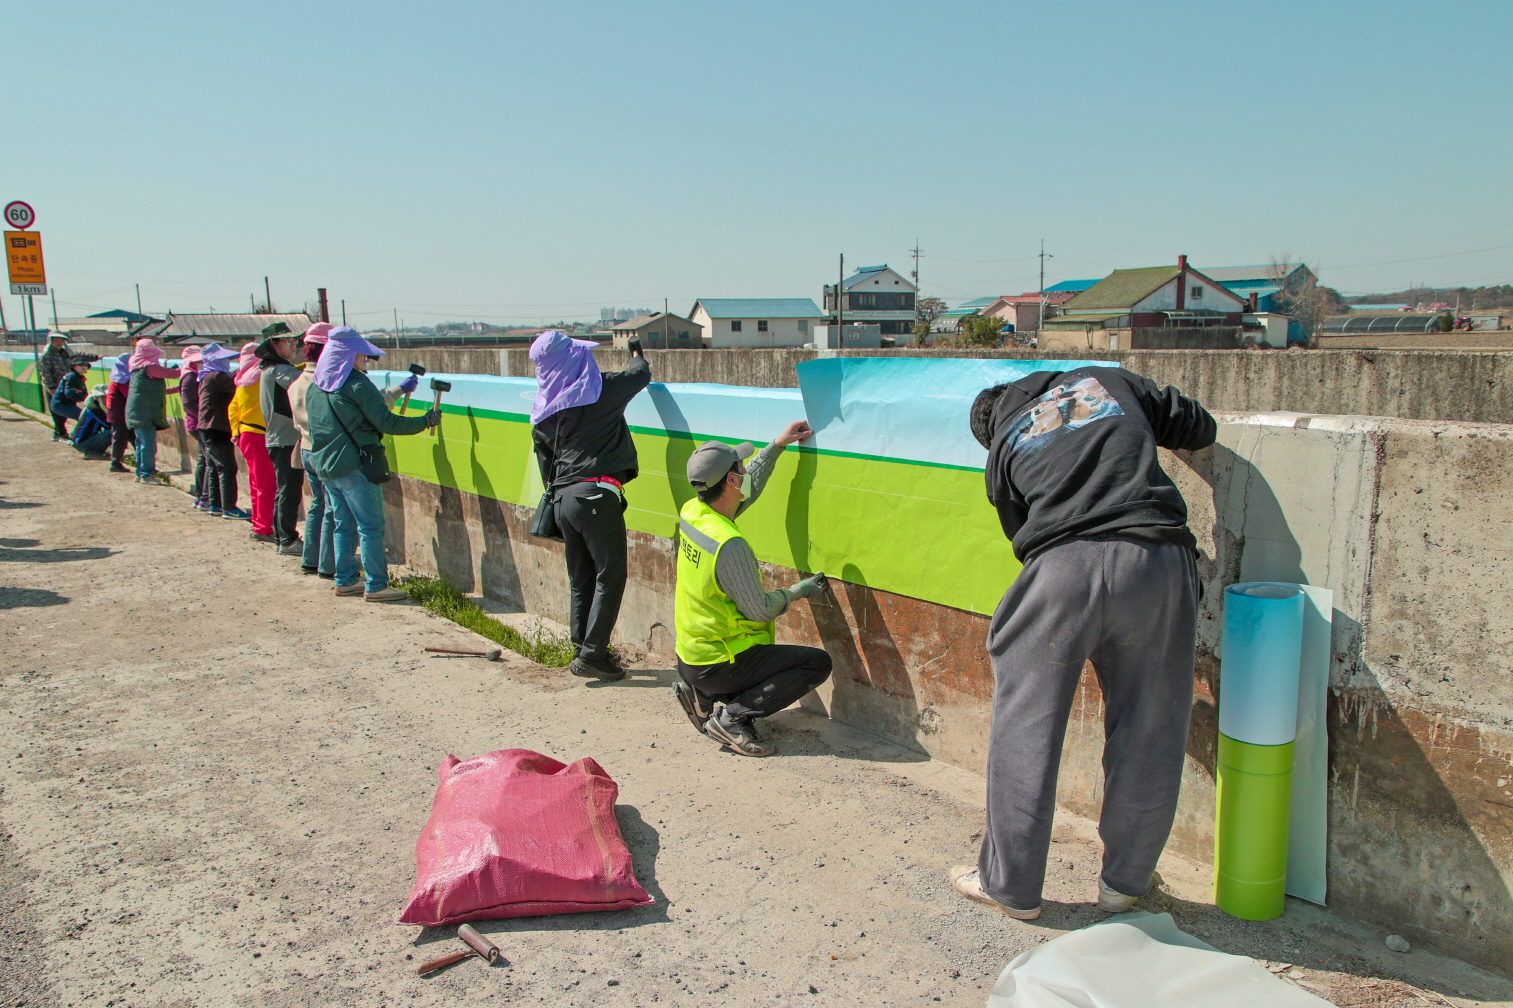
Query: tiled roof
pixel 758 308
pixel 221 326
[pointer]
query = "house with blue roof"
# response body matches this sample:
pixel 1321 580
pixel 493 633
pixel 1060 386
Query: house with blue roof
pixel 876 295
pixel 757 322
pixel 1265 286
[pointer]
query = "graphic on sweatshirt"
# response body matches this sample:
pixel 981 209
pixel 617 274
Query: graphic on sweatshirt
pixel 1063 409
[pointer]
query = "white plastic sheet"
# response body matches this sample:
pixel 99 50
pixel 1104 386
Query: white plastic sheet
pixel 1140 960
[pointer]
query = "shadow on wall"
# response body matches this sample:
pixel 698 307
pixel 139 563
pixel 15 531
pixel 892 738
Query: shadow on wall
pixel 1395 771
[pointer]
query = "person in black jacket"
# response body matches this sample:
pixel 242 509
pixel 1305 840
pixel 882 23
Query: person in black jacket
pixel 586 455
pixel 1110 576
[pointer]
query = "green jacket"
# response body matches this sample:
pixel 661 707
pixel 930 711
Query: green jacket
pixel 360 406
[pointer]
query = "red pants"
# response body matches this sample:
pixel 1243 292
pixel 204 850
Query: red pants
pixel 262 484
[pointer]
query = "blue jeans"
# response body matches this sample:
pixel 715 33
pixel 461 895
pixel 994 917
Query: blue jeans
pixel 320 525
pixel 146 449
pixel 359 529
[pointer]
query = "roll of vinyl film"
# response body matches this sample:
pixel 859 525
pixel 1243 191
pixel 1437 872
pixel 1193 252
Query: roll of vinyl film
pixel 1258 697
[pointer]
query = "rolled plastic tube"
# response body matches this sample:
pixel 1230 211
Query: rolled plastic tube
pixel 1258 710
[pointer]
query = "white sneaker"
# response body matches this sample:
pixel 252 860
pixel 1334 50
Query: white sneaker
pixel 965 881
pixel 1110 901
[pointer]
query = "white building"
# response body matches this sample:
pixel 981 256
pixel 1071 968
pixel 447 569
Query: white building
pixel 877 295
pixel 756 322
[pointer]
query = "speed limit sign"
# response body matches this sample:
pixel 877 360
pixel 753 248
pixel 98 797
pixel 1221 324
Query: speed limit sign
pixel 20 215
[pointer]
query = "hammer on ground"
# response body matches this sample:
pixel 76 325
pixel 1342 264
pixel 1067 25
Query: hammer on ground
pixel 490 655
pixel 417 370
pixel 438 386
pixel 477 944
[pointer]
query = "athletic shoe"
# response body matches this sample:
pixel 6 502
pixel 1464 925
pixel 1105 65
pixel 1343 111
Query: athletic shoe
pixel 261 537
pixel 351 589
pixel 215 512
pixel 199 505
pixel 308 570
pixel 385 595
pixel 118 467
pixel 965 881
pixel 295 548
pixel 152 479
pixel 236 514
pixel 91 456
pixel 740 736
pixel 1110 901
pixel 328 577
pixel 696 705
pixel 58 440
pixel 604 669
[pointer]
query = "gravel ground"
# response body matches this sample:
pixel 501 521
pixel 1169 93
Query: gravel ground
pixel 214 772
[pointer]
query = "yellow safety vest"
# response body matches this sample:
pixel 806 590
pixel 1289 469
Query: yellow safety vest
pixel 710 627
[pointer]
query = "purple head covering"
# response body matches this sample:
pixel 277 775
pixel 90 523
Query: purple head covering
pixel 343 344
pixel 120 371
pixel 214 357
pixel 566 374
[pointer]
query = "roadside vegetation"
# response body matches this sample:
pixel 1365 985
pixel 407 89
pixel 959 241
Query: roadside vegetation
pixel 447 601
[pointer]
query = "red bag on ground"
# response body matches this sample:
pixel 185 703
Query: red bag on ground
pixel 514 833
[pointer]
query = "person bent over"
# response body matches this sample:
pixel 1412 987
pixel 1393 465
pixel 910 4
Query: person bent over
pixel 724 618
pixel 1110 576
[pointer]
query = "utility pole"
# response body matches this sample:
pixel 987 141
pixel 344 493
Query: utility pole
pixel 325 309
pixel 914 274
pixel 3 326
pixel 343 311
pixel 666 332
pixel 396 328
pixel 139 299
pixel 1040 322
pixel 267 297
pixel 54 292
pixel 840 312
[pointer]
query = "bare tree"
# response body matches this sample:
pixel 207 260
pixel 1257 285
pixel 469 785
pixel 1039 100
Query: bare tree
pixel 1302 297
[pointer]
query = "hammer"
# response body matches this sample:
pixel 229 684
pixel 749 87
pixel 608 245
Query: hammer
pixel 438 386
pixel 477 944
pixel 417 370
pixel 490 655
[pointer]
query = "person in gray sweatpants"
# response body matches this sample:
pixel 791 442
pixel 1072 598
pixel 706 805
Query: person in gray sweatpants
pixel 1110 576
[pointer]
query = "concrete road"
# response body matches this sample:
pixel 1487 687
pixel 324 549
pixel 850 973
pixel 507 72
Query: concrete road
pixel 214 771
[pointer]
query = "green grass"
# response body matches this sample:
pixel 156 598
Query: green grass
pixel 445 600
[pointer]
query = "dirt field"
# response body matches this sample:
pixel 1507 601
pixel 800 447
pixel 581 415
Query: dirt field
pixel 214 771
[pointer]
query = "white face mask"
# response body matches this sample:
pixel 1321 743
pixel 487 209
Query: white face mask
pixel 746 486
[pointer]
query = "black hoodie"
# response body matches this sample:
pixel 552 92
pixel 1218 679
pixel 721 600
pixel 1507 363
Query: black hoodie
pixel 1073 455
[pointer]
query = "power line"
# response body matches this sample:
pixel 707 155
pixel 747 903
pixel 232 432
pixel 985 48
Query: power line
pixel 1447 255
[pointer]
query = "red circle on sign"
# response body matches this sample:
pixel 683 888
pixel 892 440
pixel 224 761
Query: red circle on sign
pixel 20 215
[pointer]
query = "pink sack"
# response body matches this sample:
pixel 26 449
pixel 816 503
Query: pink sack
pixel 514 833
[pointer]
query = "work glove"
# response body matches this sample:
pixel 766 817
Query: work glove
pixel 635 348
pixel 810 586
pixel 409 384
pixel 433 417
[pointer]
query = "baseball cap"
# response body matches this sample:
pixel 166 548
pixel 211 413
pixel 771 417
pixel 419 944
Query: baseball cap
pixel 713 459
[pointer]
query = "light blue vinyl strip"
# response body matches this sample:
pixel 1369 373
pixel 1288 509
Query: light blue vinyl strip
pixel 1258 685
pixel 1308 830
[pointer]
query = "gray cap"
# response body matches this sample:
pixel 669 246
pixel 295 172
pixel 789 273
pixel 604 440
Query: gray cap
pixel 713 459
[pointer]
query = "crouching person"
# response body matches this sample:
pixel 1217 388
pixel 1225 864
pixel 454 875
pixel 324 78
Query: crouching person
pixel 724 619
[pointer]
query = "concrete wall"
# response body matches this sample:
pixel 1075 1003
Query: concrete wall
pixel 1406 521
pixel 1408 385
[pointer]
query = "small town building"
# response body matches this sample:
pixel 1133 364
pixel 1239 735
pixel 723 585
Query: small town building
pixel 876 295
pixel 950 319
pixel 228 329
pixel 1262 285
pixel 756 322
pixel 848 337
pixel 104 327
pixel 659 331
pixel 1023 310
pixel 1155 297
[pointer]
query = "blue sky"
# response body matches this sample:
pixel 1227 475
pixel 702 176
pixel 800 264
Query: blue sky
pixel 513 161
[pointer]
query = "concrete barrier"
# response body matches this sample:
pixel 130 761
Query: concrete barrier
pixel 1405 520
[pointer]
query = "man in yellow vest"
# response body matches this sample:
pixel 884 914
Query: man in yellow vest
pixel 724 618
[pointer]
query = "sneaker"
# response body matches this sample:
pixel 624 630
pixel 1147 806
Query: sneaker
pixel 260 537
pixel 604 669
pixel 295 548
pixel 236 514
pixel 118 467
pixel 215 512
pixel 965 881
pixel 740 736
pixel 384 595
pixel 696 705
pixel 351 589
pixel 91 456
pixel 1111 901
pixel 328 577
pixel 199 505
pixel 308 570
